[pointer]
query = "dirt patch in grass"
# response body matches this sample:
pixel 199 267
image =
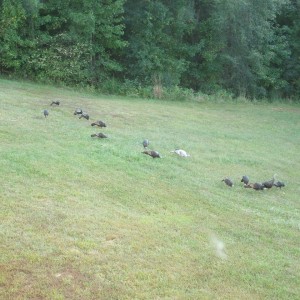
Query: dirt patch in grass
pixel 41 281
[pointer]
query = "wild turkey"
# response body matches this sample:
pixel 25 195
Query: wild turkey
pixel 84 115
pixel 55 102
pixel 228 182
pixel 181 153
pixel 99 135
pixel 270 183
pixel 145 143
pixel 99 124
pixel 279 184
pixel 153 154
pixel 245 179
pixel 258 186
pixel 46 113
pixel 78 111
pixel 248 186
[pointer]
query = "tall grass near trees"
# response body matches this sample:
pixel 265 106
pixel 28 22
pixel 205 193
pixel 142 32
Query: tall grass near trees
pixel 97 219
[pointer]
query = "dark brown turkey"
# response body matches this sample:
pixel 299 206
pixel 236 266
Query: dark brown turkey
pixel 228 182
pixel 270 183
pixel 153 154
pixel 84 115
pixel 145 143
pixel 258 186
pixel 248 186
pixel 99 124
pixel 279 184
pixel 99 135
pixel 245 179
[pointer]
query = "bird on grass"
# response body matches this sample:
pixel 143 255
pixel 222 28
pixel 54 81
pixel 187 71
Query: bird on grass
pixel 78 111
pixel 228 182
pixel 46 113
pixel 55 103
pixel 152 153
pixel 99 124
pixel 245 179
pixel 248 186
pixel 84 115
pixel 145 143
pixel 258 186
pixel 99 135
pixel 181 153
pixel 279 184
pixel 270 183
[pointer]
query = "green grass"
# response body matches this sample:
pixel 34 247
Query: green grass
pixel 96 219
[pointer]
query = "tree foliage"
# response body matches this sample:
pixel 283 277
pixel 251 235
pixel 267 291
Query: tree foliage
pixel 11 41
pixel 247 47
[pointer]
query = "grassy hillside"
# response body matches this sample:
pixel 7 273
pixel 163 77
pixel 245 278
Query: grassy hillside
pixel 83 218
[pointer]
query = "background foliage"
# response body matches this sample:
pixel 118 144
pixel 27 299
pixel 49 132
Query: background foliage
pixel 248 48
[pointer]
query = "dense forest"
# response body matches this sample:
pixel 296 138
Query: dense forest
pixel 247 48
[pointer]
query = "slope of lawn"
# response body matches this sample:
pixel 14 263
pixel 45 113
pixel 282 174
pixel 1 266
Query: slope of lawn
pixel 85 218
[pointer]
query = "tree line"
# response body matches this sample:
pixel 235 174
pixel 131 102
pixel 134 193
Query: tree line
pixel 245 47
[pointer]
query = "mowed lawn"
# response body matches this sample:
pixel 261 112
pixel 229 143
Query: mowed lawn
pixel 85 218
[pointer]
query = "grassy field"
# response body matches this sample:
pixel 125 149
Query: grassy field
pixel 85 218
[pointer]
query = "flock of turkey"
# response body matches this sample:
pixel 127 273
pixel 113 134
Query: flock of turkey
pixel 256 186
pixel 101 124
pixel 154 154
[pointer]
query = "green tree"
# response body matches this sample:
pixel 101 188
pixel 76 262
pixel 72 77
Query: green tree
pixel 247 47
pixel 155 31
pixel 12 19
pixel 289 26
pixel 107 38
pixel 249 44
pixel 204 68
pixel 78 41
